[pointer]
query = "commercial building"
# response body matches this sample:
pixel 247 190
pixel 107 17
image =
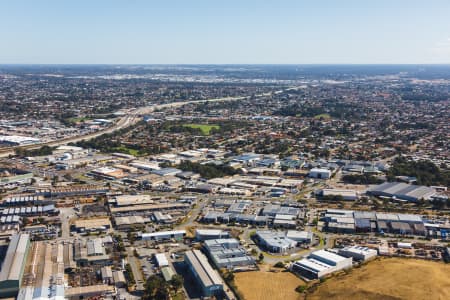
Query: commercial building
pixel 402 191
pixel 208 279
pixel 13 265
pixel 321 263
pixel 358 253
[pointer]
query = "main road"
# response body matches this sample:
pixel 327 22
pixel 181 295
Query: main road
pixel 130 119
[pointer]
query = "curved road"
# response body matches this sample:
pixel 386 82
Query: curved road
pixel 132 118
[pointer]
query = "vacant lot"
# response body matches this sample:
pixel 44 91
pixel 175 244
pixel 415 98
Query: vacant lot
pixel 205 128
pixel 263 285
pixel 389 278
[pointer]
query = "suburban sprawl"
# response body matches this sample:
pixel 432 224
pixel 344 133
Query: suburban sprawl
pixel 222 182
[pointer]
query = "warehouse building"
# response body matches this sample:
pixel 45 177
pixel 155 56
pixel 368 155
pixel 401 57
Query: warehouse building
pixel 319 173
pixel 402 191
pixel 91 225
pixel 358 253
pixel 301 237
pixel 227 253
pixel 210 234
pixel 161 260
pixel 321 263
pixel 13 265
pixel 274 241
pixel 164 235
pixel 208 279
pixel 18 140
pixel 349 195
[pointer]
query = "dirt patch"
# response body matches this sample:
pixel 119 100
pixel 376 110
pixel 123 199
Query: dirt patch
pixel 389 278
pixel 263 285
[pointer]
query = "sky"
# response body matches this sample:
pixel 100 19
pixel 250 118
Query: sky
pixel 224 32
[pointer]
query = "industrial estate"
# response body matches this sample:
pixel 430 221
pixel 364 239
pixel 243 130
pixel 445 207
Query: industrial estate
pixel 213 182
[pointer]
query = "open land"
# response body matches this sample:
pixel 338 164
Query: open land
pixel 392 278
pixel 262 285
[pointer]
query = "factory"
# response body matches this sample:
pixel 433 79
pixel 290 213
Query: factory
pixel 208 279
pixel 227 253
pixel 402 191
pixel 46 267
pixel 13 265
pixel 321 263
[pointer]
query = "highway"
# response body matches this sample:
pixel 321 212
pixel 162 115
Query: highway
pixel 132 118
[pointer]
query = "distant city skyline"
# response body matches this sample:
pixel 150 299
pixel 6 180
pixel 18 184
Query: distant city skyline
pixel 228 32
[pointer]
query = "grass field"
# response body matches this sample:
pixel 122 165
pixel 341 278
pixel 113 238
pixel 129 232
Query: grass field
pixel 77 119
pixel 322 116
pixel 389 278
pixel 123 149
pixel 262 285
pixel 205 128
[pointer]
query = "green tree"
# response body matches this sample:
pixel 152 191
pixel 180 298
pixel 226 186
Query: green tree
pixel 176 282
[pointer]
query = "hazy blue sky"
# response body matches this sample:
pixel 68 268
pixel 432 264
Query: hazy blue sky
pixel 228 31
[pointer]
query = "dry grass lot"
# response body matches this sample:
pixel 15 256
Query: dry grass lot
pixel 389 278
pixel 263 285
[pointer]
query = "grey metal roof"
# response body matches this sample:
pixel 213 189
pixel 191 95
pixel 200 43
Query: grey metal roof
pixel 15 257
pixel 207 275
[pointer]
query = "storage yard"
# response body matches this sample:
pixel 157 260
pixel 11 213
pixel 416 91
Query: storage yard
pixel 389 278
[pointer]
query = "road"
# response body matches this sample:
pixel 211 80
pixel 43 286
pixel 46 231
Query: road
pixel 135 268
pixel 132 118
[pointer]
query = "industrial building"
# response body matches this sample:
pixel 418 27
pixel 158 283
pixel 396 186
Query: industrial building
pixel 17 140
pixel 349 195
pixel 358 253
pixel 321 263
pixel 227 253
pixel 13 265
pixel 164 235
pixel 402 191
pixel 347 221
pixel 274 241
pixel 208 279
pixel 210 234
pixel 301 237
pixel 46 267
pixel 319 173
pixel 91 225
pixel 161 260
pixel 127 222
